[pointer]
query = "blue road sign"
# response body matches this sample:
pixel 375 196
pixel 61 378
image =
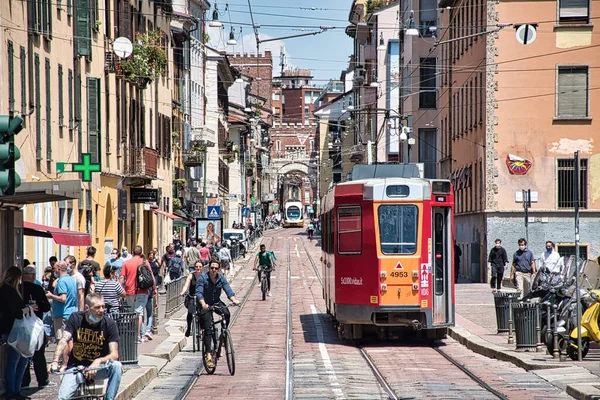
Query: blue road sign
pixel 214 212
pixel 246 211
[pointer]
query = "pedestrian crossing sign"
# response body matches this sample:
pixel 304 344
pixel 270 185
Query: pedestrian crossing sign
pixel 214 212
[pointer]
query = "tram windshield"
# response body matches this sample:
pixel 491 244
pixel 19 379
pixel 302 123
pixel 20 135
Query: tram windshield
pixel 398 226
pixel 293 212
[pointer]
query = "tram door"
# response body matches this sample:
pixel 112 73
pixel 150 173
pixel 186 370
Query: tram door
pixel 442 264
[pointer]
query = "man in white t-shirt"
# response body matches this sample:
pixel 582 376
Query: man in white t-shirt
pixel 79 280
pixel 551 260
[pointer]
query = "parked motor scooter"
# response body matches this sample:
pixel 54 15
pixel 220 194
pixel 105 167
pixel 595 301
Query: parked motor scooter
pixel 590 330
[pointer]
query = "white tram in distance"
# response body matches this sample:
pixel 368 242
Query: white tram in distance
pixel 294 215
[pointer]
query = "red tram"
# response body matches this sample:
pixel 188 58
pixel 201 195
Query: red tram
pixel 388 253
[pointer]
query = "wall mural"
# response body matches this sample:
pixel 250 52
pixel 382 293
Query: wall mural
pixel 517 165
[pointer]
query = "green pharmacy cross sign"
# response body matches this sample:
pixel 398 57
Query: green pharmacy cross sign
pixel 86 167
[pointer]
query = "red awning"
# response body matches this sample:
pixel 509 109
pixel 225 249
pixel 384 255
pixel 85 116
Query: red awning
pixel 60 236
pixel 166 214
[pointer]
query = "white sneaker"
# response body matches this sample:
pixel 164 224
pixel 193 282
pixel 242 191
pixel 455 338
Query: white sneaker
pixel 269 294
pixel 149 335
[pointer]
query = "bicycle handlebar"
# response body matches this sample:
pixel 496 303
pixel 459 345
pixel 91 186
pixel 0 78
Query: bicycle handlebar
pixel 79 368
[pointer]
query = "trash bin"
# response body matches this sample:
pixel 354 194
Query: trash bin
pixel 128 348
pixel 502 301
pixel 524 317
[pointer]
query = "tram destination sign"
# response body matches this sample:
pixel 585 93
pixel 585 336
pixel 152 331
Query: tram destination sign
pixel 141 195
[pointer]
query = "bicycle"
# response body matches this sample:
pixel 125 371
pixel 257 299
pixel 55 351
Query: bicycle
pixel 84 386
pixel 196 331
pixel 264 285
pixel 220 341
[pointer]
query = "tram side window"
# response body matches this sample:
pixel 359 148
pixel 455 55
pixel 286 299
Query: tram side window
pixel 398 226
pixel 330 235
pixel 349 230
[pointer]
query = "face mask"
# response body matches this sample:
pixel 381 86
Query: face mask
pixel 521 247
pixel 69 270
pixel 498 245
pixel 113 256
pixel 94 319
pixel 125 254
pixel 549 249
pixel 54 274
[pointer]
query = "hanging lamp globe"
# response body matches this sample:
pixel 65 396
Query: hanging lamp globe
pixel 215 23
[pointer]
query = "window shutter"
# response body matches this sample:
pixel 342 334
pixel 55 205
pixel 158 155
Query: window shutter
pixel 124 19
pixel 93 118
pixel 143 127
pixel 11 76
pixel 69 7
pixel 48 113
pixel 38 117
pixel 573 8
pixel 61 114
pixel 70 97
pixel 49 35
pixel 23 81
pixel 572 92
pixel 428 10
pixel 78 114
pixel 44 11
pixel 82 28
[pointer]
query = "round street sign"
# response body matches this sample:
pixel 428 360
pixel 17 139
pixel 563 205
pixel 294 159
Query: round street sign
pixel 526 34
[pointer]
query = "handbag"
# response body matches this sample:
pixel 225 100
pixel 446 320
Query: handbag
pixel 27 335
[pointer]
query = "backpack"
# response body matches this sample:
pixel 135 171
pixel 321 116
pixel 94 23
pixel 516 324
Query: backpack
pixel 272 255
pixel 175 265
pixel 144 277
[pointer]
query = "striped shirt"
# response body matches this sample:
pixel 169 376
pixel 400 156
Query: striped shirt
pixel 110 290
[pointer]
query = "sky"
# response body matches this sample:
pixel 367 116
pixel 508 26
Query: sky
pixel 326 54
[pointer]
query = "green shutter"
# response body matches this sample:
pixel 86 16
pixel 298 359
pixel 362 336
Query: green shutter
pixel 11 76
pixel 69 9
pixel 49 30
pixel 23 81
pixel 44 11
pixel 38 106
pixel 48 113
pixel 82 28
pixel 93 118
pixel 78 114
pixel 61 114
pixel 70 97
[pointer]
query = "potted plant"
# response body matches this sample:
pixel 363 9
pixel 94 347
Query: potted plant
pixel 148 59
pixel 229 145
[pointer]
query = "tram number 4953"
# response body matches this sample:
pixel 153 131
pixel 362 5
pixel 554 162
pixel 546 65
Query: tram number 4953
pixel 397 274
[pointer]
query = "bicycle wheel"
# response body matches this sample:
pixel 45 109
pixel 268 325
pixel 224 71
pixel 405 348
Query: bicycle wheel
pixel 263 287
pixel 209 370
pixel 194 332
pixel 199 333
pixel 229 352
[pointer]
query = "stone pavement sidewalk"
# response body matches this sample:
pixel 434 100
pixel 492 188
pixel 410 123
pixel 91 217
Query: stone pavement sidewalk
pixel 153 355
pixel 476 329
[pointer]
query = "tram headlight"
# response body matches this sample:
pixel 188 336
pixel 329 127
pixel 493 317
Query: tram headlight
pixel 383 288
pixel 415 286
pixel 383 274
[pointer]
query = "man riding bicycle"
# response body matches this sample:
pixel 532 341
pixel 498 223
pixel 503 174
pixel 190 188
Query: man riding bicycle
pixel 208 293
pixel 95 345
pixel 266 259
pixel 310 230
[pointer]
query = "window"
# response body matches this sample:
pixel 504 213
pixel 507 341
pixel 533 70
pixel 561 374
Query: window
pixel 61 114
pixel 38 107
pixel 93 118
pixel 427 16
pixel 306 111
pixel 427 83
pixel 276 96
pixel 278 145
pixel 428 151
pixel 23 81
pixel 573 11
pixel 566 180
pixel 70 97
pixel 572 92
pixel 349 230
pixel 83 39
pixel 398 228
pixel 568 250
pixel 337 177
pixel 48 114
pixel 11 76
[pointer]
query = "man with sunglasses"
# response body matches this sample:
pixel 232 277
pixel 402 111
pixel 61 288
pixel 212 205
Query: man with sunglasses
pixel 208 293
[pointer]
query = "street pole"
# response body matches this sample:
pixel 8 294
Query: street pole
pixel 526 205
pixel 577 273
pixel 204 207
pixel 399 125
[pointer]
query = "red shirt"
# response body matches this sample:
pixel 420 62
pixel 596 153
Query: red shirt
pixel 204 254
pixel 129 271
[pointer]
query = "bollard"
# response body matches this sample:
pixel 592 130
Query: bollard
pixel 540 345
pixel 548 322
pixel 555 352
pixel 511 338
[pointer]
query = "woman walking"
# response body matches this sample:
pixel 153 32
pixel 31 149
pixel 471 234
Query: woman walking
pixel 14 307
pixel 110 289
pixel 190 288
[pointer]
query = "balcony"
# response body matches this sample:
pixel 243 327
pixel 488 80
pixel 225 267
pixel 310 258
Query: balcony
pixel 356 154
pixel 223 177
pixel 203 135
pixel 193 158
pixel 142 167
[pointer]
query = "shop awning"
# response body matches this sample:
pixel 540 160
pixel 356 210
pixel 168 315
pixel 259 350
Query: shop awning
pixel 177 219
pixel 60 236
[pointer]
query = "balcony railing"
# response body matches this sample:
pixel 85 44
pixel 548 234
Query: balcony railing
pixel 203 134
pixel 192 158
pixel 144 163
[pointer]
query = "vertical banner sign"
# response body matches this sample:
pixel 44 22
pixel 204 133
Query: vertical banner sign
pixel 393 94
pixel 425 281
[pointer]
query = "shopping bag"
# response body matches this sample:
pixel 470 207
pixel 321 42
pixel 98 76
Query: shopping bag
pixel 27 335
pixel 167 279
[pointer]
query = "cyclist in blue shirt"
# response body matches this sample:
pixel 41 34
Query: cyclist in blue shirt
pixel 208 293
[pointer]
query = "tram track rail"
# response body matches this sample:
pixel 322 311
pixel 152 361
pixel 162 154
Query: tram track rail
pixel 289 366
pixel 200 369
pixel 383 383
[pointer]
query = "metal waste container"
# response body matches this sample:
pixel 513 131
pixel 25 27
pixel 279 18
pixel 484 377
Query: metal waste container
pixel 127 323
pixel 524 317
pixel 502 301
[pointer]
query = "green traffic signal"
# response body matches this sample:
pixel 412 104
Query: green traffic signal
pixel 9 153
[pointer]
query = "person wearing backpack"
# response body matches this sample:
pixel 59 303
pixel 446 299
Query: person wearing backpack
pixel 138 280
pixel 175 266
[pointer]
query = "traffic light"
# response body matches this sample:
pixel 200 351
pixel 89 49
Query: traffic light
pixel 9 153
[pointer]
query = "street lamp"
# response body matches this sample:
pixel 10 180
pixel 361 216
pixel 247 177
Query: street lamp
pixel 215 23
pixel 411 31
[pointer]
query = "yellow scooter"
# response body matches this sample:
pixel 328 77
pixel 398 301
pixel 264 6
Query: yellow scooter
pixel 590 330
